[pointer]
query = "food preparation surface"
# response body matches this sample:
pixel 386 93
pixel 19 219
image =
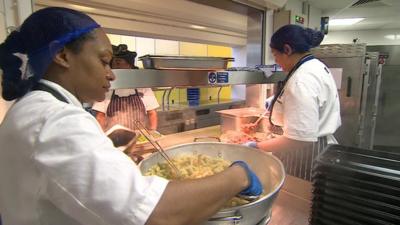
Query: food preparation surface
pixel 189 136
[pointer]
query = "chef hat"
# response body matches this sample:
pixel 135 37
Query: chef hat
pixel 121 51
pixel 300 39
pixel 28 51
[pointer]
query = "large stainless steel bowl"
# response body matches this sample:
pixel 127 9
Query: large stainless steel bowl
pixel 249 214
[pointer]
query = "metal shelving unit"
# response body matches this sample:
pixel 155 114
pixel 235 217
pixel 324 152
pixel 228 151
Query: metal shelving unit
pixel 127 78
pixel 174 118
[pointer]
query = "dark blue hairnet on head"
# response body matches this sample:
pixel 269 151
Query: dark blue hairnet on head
pixel 40 37
pixel 300 39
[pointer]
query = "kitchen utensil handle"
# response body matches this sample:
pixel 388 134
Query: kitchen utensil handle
pixel 199 138
pixel 260 117
pixel 146 133
pixel 234 219
pixel 348 91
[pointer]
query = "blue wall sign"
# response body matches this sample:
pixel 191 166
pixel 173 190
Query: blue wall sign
pixel 222 77
pixel 218 77
pixel 212 77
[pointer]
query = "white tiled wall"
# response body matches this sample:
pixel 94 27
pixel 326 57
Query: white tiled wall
pixel 144 46
pixel 129 41
pixel 166 47
pixel 151 46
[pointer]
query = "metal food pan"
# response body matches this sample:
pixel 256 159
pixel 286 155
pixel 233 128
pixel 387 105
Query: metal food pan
pixel 234 119
pixel 184 62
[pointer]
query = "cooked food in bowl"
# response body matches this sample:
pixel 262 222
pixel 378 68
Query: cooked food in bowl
pixel 192 167
pixel 238 137
pixel 142 139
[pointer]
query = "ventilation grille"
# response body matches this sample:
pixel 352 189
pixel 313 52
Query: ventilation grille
pixel 361 3
pixel 340 50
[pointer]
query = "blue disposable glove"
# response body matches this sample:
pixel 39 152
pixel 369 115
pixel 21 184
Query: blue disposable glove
pixel 268 102
pixel 255 187
pixel 251 144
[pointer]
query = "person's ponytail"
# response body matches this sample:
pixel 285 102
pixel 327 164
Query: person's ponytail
pixel 314 38
pixel 13 84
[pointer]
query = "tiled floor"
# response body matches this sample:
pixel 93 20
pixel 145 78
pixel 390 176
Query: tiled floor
pixel 290 210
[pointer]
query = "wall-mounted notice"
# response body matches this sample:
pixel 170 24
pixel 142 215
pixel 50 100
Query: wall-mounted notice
pixel 337 75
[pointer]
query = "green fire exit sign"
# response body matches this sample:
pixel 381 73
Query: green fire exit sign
pixel 299 19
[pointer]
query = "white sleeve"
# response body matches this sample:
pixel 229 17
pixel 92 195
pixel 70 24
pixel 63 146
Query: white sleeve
pixel 149 99
pixel 301 112
pixel 102 106
pixel 87 178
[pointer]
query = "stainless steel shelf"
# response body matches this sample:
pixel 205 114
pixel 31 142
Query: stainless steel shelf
pixel 128 78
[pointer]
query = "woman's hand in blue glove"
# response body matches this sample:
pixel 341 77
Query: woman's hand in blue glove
pixel 268 102
pixel 255 187
pixel 251 144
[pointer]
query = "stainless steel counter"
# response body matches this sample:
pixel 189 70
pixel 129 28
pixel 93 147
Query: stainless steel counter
pixel 188 136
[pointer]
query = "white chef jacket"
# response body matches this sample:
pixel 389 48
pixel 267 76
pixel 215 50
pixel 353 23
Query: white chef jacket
pixel 149 100
pixel 309 106
pixel 58 168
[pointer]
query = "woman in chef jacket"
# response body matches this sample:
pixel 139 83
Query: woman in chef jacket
pixel 306 106
pixel 126 106
pixel 56 164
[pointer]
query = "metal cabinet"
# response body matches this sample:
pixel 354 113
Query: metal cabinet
pixel 387 131
pixel 359 91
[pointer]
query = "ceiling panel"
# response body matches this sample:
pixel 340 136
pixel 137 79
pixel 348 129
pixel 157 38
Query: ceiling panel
pixel 383 14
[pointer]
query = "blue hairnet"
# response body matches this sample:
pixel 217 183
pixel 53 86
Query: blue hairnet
pixel 300 39
pixel 27 53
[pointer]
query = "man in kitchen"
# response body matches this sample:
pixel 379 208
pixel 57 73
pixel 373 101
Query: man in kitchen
pixel 126 106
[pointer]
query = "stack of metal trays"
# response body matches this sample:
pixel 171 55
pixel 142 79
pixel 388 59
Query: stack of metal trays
pixel 184 62
pixel 356 186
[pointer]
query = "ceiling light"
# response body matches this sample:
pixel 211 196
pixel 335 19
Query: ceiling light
pixel 393 36
pixel 197 27
pixel 344 22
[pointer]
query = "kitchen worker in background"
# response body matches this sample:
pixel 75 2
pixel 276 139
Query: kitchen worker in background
pixel 56 164
pixel 125 106
pixel 306 105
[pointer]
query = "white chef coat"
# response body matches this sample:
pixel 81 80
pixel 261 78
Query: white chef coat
pixel 309 106
pixel 58 168
pixel 149 100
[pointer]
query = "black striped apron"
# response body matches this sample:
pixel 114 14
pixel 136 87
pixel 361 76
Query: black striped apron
pixel 125 110
pixel 297 162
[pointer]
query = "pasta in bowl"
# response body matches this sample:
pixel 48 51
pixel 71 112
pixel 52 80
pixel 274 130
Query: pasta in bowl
pixel 272 176
pixel 193 167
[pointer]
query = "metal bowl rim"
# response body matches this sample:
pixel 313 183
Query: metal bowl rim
pixel 235 208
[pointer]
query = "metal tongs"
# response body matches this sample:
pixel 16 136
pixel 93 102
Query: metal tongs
pixel 146 133
pixel 260 117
